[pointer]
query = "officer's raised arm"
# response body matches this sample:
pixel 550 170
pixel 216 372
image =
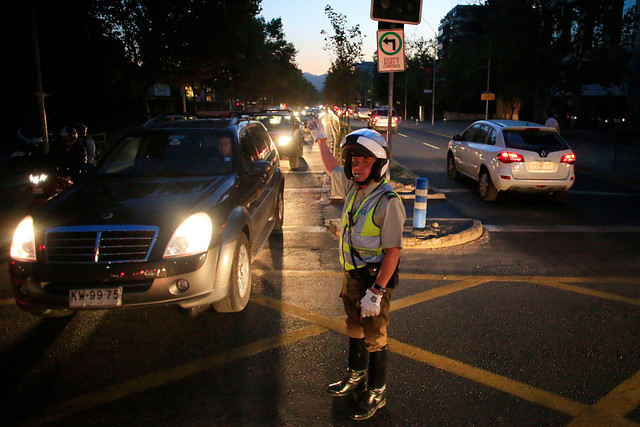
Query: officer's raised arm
pixel 317 132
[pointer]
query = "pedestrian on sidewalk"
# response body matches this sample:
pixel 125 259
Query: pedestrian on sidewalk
pixel 552 122
pixel 370 244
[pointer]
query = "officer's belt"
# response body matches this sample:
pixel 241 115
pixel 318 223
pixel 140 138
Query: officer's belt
pixel 370 270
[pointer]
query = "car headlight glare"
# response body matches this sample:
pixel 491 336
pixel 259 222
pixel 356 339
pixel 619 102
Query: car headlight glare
pixel 193 236
pixel 23 245
pixel 284 140
pixel 37 178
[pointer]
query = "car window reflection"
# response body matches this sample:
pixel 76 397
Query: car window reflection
pixel 184 153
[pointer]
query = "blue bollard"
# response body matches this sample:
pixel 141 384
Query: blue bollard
pixel 420 203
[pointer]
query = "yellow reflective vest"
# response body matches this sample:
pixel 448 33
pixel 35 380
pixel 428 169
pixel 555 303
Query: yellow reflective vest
pixel 360 242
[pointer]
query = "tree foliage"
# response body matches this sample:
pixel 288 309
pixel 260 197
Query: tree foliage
pixel 346 45
pixel 99 58
pixel 539 48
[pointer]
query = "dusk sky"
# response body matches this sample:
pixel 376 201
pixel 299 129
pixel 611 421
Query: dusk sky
pixel 303 21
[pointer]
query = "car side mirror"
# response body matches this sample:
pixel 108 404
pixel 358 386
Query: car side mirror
pixel 260 167
pixel 457 138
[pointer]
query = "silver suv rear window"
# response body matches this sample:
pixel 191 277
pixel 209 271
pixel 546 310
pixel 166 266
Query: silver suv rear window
pixel 533 140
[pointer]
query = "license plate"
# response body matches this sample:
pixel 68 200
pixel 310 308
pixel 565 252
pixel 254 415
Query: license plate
pixel 109 297
pixel 541 166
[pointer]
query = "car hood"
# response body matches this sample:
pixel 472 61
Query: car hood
pixel 141 201
pixel 280 132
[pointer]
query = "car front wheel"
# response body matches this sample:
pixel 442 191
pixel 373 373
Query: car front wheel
pixel 239 281
pixel 486 188
pixel 278 214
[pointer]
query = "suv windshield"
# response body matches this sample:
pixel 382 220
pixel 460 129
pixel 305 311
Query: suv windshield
pixel 172 153
pixel 533 140
pixel 276 122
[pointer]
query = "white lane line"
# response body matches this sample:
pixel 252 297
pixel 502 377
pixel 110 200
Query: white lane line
pixel 429 145
pixel 402 135
pixel 562 228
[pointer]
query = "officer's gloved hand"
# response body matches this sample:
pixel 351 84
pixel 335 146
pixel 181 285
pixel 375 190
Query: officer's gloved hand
pixel 370 304
pixel 315 126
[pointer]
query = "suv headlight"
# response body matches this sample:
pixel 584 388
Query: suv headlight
pixel 284 140
pixel 23 245
pixel 191 237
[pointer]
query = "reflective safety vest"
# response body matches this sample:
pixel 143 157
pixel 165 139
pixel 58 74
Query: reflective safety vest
pixel 360 242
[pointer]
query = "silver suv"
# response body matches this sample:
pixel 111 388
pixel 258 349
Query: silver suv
pixel 378 120
pixel 509 155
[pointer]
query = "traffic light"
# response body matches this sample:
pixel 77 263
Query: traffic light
pixel 400 11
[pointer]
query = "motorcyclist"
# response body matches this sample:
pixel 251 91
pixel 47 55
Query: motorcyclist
pixel 66 155
pixel 87 142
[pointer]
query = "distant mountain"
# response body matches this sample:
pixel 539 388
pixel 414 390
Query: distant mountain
pixel 316 81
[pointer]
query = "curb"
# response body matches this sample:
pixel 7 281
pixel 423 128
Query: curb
pixel 439 233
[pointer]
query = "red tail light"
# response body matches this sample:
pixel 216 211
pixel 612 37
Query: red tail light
pixel 395 120
pixel 507 157
pixel 568 159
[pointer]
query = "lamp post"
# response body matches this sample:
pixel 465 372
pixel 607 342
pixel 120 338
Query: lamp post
pixel 433 76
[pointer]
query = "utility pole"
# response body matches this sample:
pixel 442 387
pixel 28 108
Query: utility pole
pixel 40 92
pixel 486 109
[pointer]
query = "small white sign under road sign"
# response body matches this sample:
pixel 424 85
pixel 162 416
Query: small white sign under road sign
pixel 390 50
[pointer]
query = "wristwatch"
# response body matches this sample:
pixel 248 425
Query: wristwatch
pixel 381 290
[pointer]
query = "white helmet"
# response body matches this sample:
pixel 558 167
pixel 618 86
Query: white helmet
pixel 366 143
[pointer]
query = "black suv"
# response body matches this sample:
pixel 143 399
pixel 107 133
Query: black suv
pixel 175 213
pixel 286 131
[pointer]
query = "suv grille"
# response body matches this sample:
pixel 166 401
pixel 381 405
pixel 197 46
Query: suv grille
pixel 99 244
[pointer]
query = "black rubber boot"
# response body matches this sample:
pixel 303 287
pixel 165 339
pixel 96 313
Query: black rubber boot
pixel 375 396
pixel 356 378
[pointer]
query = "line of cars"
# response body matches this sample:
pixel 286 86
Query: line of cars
pixel 174 214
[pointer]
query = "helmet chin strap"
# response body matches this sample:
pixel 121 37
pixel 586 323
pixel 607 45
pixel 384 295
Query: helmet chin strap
pixel 362 184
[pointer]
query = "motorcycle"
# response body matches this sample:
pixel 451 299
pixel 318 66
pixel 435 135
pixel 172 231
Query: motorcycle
pixel 47 183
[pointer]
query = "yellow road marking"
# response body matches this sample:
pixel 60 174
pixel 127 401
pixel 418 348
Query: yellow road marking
pixel 610 410
pixel 435 293
pixel 507 385
pixel 157 379
pixel 615 405
pixel 587 291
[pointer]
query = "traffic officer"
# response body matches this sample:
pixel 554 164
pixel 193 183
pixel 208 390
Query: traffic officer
pixel 371 240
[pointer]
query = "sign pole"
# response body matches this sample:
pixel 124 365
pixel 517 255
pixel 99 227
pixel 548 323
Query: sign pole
pixel 390 115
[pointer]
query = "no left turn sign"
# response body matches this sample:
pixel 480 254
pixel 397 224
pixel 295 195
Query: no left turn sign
pixel 390 50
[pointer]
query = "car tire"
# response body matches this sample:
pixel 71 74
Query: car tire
pixel 294 162
pixel 452 170
pixel 278 214
pixel 558 196
pixel 486 188
pixel 239 280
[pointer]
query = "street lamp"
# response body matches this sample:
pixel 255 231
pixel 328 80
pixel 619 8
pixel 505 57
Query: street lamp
pixel 433 76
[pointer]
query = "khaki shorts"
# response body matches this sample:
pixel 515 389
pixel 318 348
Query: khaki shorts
pixel 372 329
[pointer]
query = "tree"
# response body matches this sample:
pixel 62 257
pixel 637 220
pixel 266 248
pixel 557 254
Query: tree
pixel 346 44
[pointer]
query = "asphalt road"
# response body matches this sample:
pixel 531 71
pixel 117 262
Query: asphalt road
pixel 519 327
